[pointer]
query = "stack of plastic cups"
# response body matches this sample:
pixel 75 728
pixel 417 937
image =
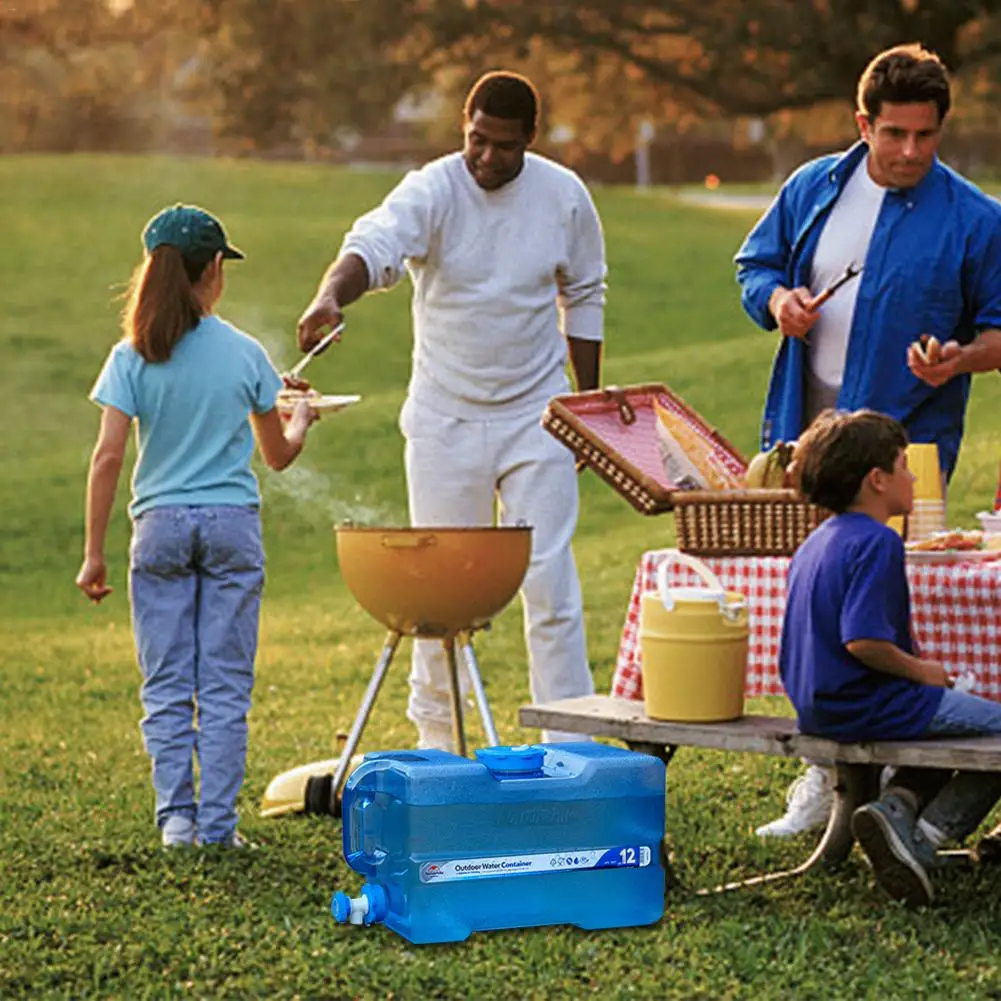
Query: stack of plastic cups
pixel 928 514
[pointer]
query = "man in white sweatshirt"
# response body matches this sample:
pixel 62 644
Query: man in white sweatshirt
pixel 505 252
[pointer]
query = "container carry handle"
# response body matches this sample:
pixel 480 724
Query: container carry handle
pixel 677 556
pixel 731 609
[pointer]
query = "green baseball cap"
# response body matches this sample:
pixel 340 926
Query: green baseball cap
pixel 192 230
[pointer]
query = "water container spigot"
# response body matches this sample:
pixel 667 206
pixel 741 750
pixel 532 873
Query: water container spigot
pixel 366 909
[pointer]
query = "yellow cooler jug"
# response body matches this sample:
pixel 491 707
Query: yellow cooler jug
pixel 693 644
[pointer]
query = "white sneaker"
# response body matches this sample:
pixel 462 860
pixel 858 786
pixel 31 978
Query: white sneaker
pixel 178 832
pixel 808 805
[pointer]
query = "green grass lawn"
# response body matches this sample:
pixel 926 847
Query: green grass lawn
pixel 90 906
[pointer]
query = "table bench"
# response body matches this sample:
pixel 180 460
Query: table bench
pixel 857 765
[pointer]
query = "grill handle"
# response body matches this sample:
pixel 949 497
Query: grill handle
pixel 407 541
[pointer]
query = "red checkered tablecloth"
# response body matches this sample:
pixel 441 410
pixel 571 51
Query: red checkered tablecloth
pixel 956 611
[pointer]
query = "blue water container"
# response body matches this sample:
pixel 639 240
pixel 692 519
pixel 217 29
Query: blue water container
pixel 520 837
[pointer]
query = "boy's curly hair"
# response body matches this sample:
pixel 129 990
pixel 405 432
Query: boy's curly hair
pixel 838 450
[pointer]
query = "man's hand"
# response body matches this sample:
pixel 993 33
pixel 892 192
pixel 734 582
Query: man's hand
pixel 933 363
pixel 92 579
pixel 324 311
pixel 788 306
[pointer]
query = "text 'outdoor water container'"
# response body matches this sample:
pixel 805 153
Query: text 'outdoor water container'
pixel 693 644
pixel 522 836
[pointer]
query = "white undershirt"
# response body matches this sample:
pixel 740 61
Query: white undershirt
pixel 844 240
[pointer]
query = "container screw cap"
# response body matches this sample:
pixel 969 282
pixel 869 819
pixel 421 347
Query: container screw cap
pixel 523 759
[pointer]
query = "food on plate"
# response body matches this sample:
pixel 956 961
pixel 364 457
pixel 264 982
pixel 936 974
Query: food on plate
pixel 769 470
pixel 689 460
pixel 322 403
pixel 290 397
pixel 954 541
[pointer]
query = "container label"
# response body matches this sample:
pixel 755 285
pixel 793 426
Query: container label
pixel 630 856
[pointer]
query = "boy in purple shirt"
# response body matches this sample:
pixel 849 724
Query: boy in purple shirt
pixel 847 658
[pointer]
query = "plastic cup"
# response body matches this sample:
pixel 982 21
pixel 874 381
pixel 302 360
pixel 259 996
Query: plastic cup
pixel 922 460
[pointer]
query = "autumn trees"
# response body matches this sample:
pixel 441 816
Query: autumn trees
pixel 303 74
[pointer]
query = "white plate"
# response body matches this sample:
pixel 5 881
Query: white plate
pixel 952 555
pixel 327 404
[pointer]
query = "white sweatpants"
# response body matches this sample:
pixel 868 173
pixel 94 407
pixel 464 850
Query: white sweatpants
pixel 458 473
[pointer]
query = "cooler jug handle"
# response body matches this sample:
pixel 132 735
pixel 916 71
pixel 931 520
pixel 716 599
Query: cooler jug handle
pixel 677 556
pixel 359 823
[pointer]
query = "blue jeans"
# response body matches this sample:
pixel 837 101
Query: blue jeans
pixel 195 583
pixel 961 714
pixel 957 802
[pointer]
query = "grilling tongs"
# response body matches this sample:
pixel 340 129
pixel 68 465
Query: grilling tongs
pixel 317 349
pixel 852 271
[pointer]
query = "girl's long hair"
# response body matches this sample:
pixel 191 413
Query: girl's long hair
pixel 161 305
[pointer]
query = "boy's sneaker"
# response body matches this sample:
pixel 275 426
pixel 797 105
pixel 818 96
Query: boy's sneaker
pixel 178 832
pixel 808 805
pixel 885 830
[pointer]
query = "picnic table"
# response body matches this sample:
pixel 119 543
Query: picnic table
pixel 955 608
pixel 955 615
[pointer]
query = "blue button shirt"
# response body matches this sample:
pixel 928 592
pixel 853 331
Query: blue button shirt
pixel 194 438
pixel 933 267
pixel 847 582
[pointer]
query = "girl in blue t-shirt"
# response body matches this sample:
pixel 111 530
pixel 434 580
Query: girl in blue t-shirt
pixel 199 391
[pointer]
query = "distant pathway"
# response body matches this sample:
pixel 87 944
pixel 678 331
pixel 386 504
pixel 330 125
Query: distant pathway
pixel 718 200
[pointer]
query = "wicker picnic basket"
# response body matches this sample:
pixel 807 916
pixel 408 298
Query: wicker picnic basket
pixel 743 522
pixel 614 431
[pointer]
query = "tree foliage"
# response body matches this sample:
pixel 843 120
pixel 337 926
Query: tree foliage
pixel 297 72
pixel 742 57
pixel 298 75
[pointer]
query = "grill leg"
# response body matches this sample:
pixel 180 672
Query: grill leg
pixel 361 718
pixel 479 692
pixel 458 730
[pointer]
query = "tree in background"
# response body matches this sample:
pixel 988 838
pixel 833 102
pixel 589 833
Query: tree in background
pixel 296 74
pixel 743 57
pixel 301 77
pixel 258 74
pixel 61 75
pixel 787 70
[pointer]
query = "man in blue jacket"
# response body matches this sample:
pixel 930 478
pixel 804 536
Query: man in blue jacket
pixel 921 317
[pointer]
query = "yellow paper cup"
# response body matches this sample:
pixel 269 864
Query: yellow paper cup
pixel 922 460
pixel 897 524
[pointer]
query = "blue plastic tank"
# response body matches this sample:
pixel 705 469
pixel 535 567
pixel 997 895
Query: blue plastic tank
pixel 520 837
